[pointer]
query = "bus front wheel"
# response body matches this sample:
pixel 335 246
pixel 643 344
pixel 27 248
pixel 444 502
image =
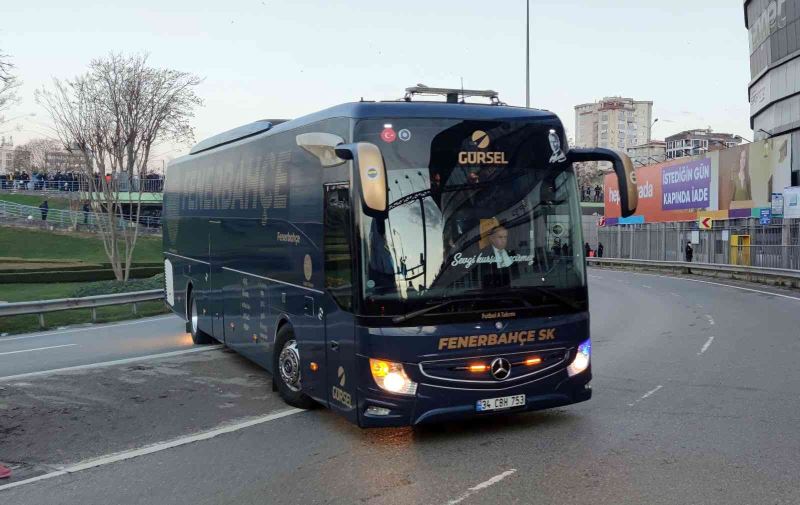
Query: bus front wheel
pixel 286 370
pixel 199 337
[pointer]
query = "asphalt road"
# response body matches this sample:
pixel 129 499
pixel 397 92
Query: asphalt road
pixel 70 347
pixel 695 401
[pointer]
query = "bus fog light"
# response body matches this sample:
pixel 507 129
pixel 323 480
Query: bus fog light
pixel 391 377
pixel 581 361
pixel 377 411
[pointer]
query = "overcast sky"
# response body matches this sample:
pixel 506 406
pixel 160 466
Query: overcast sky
pixel 286 58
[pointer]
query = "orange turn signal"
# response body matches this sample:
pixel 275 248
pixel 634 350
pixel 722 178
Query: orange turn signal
pixel 313 366
pixel 533 361
pixel 478 368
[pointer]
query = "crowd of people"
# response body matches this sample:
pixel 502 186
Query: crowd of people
pixel 589 194
pixel 76 181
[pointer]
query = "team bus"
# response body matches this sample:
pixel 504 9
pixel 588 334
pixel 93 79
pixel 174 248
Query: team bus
pixel 399 262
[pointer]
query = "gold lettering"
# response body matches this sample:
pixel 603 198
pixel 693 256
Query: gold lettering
pixel 473 341
pixel 482 340
pixel 443 343
pixel 463 342
pixel 492 339
pixel 452 343
pixel 503 339
pixel 462 158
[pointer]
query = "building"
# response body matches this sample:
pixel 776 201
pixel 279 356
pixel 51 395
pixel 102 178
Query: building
pixel 654 151
pixel 64 161
pixel 774 31
pixel 613 122
pixel 694 142
pixel 6 155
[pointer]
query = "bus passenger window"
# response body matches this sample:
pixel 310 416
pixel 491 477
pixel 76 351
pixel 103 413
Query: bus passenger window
pixel 338 256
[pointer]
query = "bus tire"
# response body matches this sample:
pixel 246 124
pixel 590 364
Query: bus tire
pixel 286 370
pixel 199 337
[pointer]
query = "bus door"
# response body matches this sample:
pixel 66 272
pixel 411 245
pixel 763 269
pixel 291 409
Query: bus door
pixel 215 281
pixel 337 302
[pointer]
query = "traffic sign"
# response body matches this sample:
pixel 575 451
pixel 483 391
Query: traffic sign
pixel 766 216
pixel 705 223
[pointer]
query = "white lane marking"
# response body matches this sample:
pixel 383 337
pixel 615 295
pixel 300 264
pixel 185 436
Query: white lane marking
pixel 675 294
pixel 594 276
pixel 716 284
pixel 150 449
pixel 483 485
pixel 110 363
pixel 646 286
pixel 88 328
pixel 37 349
pixel 710 319
pixel 706 346
pixel 646 395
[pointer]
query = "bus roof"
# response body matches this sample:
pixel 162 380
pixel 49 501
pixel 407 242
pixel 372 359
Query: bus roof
pixel 381 110
pixel 412 109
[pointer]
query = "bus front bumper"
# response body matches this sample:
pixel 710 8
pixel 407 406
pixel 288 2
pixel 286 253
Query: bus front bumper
pixel 437 404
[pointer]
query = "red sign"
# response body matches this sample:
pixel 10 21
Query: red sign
pixel 388 135
pixel 648 184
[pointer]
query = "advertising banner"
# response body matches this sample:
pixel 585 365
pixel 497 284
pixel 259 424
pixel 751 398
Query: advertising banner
pixel 649 186
pixel 749 173
pixel 791 202
pixel 686 186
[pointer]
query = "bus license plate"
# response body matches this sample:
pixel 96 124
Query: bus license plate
pixel 505 402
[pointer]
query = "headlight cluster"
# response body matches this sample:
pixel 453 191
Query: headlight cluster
pixel 581 361
pixel 391 377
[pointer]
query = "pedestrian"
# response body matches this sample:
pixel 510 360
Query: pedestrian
pixel 587 249
pixel 689 252
pixel 86 209
pixel 599 249
pixel 45 208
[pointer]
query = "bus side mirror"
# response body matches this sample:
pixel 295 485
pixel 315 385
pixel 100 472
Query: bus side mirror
pixel 623 167
pixel 371 171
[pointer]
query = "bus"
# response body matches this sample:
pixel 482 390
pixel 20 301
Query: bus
pixel 400 262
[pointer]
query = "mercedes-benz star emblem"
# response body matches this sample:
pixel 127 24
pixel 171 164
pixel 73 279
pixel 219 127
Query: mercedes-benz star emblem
pixel 500 368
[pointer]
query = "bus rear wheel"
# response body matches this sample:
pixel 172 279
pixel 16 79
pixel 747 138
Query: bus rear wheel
pixel 287 370
pixel 199 337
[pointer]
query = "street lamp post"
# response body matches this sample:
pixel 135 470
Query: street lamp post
pixel 527 53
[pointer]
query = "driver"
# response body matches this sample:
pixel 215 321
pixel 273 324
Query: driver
pixel 498 272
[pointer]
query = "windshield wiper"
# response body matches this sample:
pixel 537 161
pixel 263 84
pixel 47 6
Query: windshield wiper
pixel 545 290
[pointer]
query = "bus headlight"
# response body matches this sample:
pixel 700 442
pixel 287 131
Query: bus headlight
pixel 581 361
pixel 391 377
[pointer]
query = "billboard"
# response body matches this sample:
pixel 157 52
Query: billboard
pixel 650 185
pixel 750 173
pixel 686 186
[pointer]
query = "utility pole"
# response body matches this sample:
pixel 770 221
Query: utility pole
pixel 527 53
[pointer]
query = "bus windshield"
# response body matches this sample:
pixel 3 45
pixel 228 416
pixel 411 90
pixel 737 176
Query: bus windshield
pixel 483 216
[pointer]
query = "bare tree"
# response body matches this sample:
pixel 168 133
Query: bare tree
pixel 39 149
pixel 8 84
pixel 114 114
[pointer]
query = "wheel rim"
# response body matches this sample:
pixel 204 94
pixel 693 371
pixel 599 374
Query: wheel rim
pixel 289 365
pixel 194 316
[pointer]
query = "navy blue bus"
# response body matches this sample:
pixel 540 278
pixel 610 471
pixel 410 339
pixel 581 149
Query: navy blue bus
pixel 399 262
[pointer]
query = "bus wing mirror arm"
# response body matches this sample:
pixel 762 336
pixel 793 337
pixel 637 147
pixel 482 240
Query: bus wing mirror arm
pixel 623 167
pixel 370 176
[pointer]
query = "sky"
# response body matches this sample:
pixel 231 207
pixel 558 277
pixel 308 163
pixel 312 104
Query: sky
pixel 287 58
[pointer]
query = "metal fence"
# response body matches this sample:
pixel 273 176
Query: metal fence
pixel 46 186
pixel 41 307
pixel 68 219
pixel 731 242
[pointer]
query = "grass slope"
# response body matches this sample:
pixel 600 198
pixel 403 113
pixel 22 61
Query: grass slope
pixel 33 200
pixel 40 244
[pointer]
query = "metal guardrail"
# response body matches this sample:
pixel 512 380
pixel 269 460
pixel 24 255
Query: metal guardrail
pixel 67 218
pixel 144 185
pixel 764 275
pixel 41 307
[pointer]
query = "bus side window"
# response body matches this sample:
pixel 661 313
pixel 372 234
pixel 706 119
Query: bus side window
pixel 338 256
